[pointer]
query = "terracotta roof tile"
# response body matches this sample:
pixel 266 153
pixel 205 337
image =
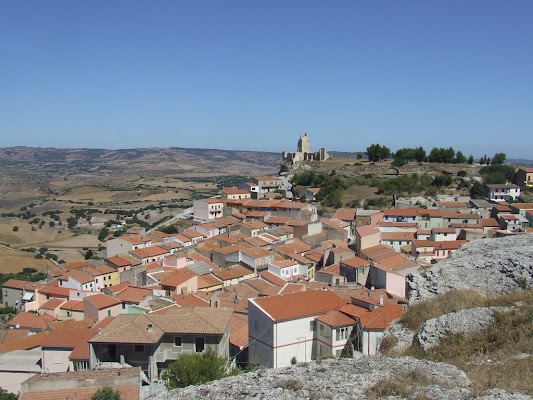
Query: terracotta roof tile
pixel 189 301
pixel 31 321
pixel 303 304
pixel 101 301
pixel 133 294
pixel 26 343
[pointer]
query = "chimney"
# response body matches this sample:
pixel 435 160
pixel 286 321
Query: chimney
pixel 99 331
pixel 149 329
pixel 381 300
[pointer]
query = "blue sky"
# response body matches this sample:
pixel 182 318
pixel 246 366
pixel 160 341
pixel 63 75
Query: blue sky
pixel 253 74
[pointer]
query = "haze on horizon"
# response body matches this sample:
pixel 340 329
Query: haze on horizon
pixel 254 75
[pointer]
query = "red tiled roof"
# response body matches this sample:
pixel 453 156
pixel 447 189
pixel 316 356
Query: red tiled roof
pixel 397 236
pixel 101 301
pixel 18 284
pixel 336 319
pixel 31 321
pixel 26 343
pixel 238 329
pixel 401 212
pixel 189 301
pixel 272 278
pixel 150 251
pixel 208 281
pixel 52 304
pixel 179 277
pixel 303 304
pixel 355 262
pixel 133 294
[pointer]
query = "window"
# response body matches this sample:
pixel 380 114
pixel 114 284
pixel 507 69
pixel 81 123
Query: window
pixel 108 313
pixel 321 330
pixel 312 326
pixel 139 348
pixel 342 334
pixel 177 341
pixel 199 344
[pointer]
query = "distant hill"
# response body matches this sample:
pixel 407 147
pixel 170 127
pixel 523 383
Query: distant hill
pixel 171 161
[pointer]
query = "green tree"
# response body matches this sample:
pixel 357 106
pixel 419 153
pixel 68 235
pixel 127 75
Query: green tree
pixel 196 368
pixel 470 160
pixel 5 395
pixel 441 155
pixel 103 234
pixel 72 222
pixel 169 229
pixel 377 152
pixel 499 158
pixel 477 191
pixel 107 393
pixel 460 158
pixel 88 254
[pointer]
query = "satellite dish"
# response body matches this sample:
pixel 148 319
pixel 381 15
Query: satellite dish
pixel 17 326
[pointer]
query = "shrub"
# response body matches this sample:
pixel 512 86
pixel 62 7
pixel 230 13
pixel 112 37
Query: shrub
pixel 195 368
pixel 106 393
pixel 15 229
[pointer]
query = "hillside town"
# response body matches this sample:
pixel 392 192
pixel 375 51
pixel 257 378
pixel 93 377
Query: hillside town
pixel 260 278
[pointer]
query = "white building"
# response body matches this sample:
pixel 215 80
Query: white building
pixel 283 327
pixel 207 209
pixel 288 269
pixel 502 192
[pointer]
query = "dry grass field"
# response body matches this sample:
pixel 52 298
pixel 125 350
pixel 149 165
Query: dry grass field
pixel 12 261
pixel 24 237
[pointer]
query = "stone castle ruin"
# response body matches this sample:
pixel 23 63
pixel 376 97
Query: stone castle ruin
pixel 303 153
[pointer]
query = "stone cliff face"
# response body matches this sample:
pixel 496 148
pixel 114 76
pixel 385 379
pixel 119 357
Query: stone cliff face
pixel 488 266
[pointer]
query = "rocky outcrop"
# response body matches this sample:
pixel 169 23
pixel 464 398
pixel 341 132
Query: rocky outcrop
pixel 488 266
pixel 345 379
pixel 334 379
pixel 466 321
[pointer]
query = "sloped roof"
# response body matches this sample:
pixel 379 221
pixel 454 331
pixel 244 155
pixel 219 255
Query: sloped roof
pixel 133 294
pixel 52 304
pixel 302 304
pixel 181 276
pixel 208 281
pixel 127 328
pixel 355 262
pixel 336 319
pixel 32 321
pixel 238 329
pixel 26 343
pixel 101 301
pixel 18 284
pixel 190 301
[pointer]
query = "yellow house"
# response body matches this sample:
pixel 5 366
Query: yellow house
pixel 524 177
pixel 104 276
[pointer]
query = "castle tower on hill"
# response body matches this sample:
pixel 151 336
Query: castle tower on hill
pixel 304 153
pixel 303 143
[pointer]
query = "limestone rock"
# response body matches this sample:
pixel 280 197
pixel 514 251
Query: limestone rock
pixel 467 321
pixel 488 266
pixel 332 379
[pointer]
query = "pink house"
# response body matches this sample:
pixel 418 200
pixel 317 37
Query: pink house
pixel 100 306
